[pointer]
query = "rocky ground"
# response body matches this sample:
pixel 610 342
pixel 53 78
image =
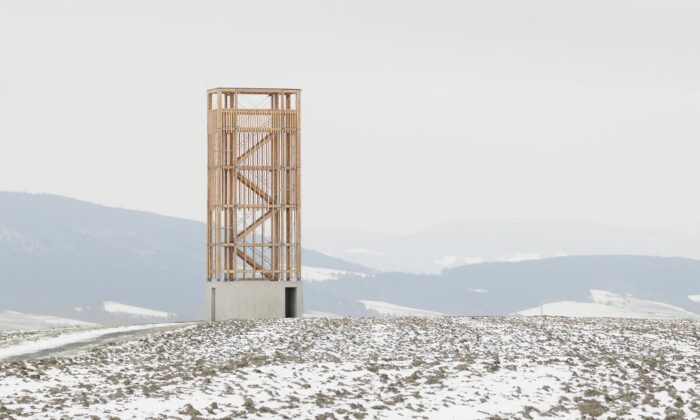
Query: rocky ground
pixel 441 367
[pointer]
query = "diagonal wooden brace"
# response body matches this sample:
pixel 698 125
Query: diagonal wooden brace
pixel 253 148
pixel 253 186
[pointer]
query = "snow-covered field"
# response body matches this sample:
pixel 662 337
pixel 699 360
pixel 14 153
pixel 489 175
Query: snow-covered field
pixel 611 305
pixel 322 274
pixel 385 308
pixel 12 320
pixel 134 311
pixel 434 367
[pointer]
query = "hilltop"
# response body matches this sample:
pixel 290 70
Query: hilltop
pixel 441 367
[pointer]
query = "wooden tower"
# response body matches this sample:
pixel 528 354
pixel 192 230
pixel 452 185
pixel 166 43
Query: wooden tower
pixel 253 204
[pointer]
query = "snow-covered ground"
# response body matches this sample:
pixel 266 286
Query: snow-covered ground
pixel 134 311
pixel 694 298
pixel 385 308
pixel 11 320
pixel 608 304
pixel 437 367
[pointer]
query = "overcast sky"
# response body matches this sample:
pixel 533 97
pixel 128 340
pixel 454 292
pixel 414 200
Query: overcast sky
pixel 414 113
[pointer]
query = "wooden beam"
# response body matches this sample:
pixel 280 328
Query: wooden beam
pixel 250 228
pixel 253 186
pixel 245 155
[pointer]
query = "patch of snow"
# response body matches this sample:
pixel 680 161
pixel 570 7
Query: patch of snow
pixel 694 298
pixel 478 290
pixel 452 261
pixel 11 320
pixel 502 383
pixel 580 309
pixel 523 256
pixel 655 310
pixel 446 261
pixel 135 311
pixel 472 260
pixel 29 347
pixel 320 314
pixel 608 304
pixel 385 308
pixel 530 256
pixel 309 273
pixel 364 251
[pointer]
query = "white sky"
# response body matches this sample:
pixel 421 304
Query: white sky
pixel 414 113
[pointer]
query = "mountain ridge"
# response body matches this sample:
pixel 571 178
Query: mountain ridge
pixel 65 257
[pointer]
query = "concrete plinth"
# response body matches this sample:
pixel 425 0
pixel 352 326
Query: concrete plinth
pixel 253 299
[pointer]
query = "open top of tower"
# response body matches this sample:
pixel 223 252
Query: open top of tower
pixel 252 98
pixel 260 91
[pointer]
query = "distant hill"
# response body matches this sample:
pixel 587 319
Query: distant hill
pixel 72 259
pixel 453 244
pixel 65 257
pixel 505 288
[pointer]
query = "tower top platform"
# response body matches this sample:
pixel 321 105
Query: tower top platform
pixel 252 91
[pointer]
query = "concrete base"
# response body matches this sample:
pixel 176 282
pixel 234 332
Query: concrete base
pixel 253 299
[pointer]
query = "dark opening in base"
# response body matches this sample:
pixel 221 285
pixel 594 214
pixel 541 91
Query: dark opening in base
pixel 290 302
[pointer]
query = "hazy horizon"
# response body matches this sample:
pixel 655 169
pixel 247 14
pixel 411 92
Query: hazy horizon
pixel 483 220
pixel 414 114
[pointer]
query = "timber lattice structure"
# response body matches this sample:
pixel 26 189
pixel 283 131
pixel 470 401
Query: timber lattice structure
pixel 254 195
